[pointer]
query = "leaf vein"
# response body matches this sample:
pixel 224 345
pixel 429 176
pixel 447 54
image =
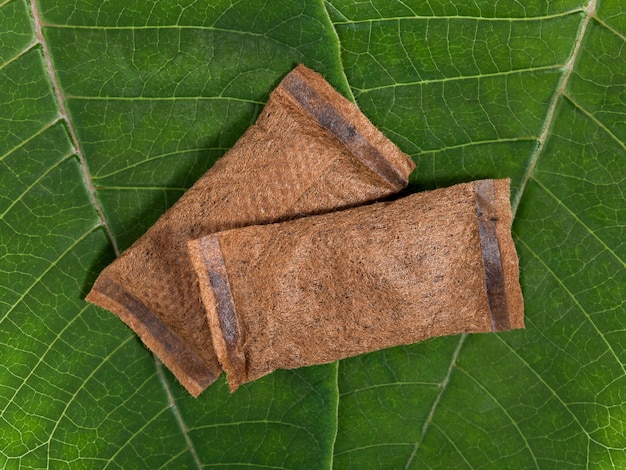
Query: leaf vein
pixel 164 98
pixel 43 129
pixel 551 113
pixel 461 17
pixel 594 119
pixel 19 55
pixel 503 408
pixel 433 408
pixel 35 183
pixel 70 126
pixel 461 78
pixel 578 304
pixel 388 384
pixel 42 357
pixel 154 158
pixel 578 220
pixel 176 412
pixel 47 270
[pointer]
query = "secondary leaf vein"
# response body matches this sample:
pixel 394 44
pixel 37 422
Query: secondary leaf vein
pixel 433 408
pixel 461 17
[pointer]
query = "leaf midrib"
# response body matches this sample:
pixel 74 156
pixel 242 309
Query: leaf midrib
pixel 60 98
pixel 589 11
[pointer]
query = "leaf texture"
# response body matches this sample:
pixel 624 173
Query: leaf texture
pixel 109 111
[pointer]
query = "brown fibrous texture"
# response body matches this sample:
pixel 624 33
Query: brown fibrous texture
pixel 310 151
pixel 326 287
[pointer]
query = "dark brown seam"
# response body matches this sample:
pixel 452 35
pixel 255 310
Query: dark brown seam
pixel 492 260
pixel 330 119
pixel 192 365
pixel 218 279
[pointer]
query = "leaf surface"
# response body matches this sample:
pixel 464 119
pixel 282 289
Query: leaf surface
pixel 109 111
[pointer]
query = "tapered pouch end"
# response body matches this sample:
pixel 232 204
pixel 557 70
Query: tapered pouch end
pixel 500 259
pixel 348 125
pixel 190 369
pixel 207 260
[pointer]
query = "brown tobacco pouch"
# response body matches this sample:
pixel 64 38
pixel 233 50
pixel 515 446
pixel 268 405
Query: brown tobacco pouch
pixel 310 151
pixel 318 289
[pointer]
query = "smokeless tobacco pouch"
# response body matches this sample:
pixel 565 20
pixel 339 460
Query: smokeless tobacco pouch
pixel 322 288
pixel 310 151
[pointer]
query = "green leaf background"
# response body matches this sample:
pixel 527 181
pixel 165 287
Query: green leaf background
pixel 110 110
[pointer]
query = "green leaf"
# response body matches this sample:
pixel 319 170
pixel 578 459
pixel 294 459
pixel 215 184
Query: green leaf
pixel 109 111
